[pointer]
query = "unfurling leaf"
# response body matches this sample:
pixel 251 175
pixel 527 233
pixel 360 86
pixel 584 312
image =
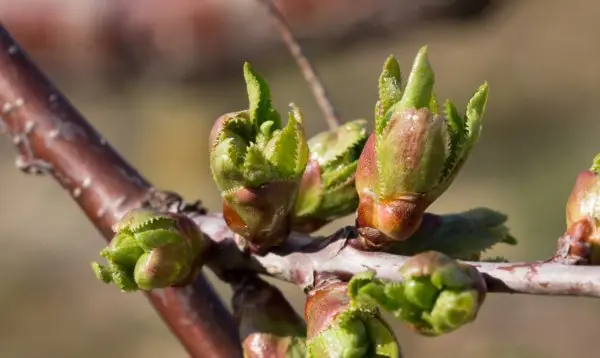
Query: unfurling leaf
pixel 327 190
pixel 257 165
pixel 437 294
pixel 151 250
pixel 414 154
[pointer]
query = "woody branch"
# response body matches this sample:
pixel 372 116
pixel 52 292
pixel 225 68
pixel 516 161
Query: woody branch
pixel 305 261
pixel 53 138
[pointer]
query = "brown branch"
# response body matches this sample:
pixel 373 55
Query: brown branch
pixel 305 260
pixel 52 137
pixel 308 72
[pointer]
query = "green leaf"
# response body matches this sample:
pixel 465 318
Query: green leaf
pixel 360 280
pixel 461 236
pixel 257 169
pixel 259 96
pixel 420 292
pixel 308 201
pixel 340 176
pixel 596 164
pixel 419 86
pixel 302 143
pixel 383 342
pixel 238 124
pixel 474 116
pixel 151 239
pixel 437 294
pixel 453 310
pixel 390 90
pixel 347 339
pixel 226 161
pixel 123 278
pixel 265 132
pixel 434 106
pixel 102 272
pixel 365 288
pixel 287 150
pixel 297 348
pixel 341 145
pixel 123 250
pixel 458 133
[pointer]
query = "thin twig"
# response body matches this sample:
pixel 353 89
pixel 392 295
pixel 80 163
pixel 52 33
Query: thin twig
pixel 52 137
pixel 305 260
pixel 308 72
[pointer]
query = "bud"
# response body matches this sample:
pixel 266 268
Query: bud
pixel 257 165
pixel 339 328
pixel 584 199
pixel 327 190
pixel 151 250
pixel 437 295
pixel 583 216
pixel 268 325
pixel 414 154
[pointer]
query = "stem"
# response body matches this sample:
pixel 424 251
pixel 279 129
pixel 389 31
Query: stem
pixel 53 138
pixel 308 72
pixel 306 260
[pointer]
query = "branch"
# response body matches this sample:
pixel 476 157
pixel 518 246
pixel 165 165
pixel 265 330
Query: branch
pixel 306 260
pixel 309 74
pixel 53 138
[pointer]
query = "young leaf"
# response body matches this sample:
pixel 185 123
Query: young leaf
pixel 596 164
pixel 226 160
pixel 474 115
pixel 288 150
pixel 390 90
pixel 256 168
pixel 419 86
pixel 434 106
pixel 437 294
pixel 458 133
pixel 259 96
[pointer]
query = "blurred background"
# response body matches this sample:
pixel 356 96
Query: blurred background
pixel 153 75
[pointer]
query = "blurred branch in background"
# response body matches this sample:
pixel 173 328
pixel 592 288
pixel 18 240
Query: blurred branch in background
pixel 308 72
pixel 183 38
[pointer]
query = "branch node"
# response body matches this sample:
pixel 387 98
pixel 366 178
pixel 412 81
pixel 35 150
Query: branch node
pixel 33 166
pixel 8 107
pixel 13 49
pixel 53 98
pixel 112 207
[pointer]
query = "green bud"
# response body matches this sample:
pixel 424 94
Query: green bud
pixel 437 295
pixel 327 190
pixel 414 154
pixel 257 165
pixel 339 328
pixel 151 250
pixel 269 326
